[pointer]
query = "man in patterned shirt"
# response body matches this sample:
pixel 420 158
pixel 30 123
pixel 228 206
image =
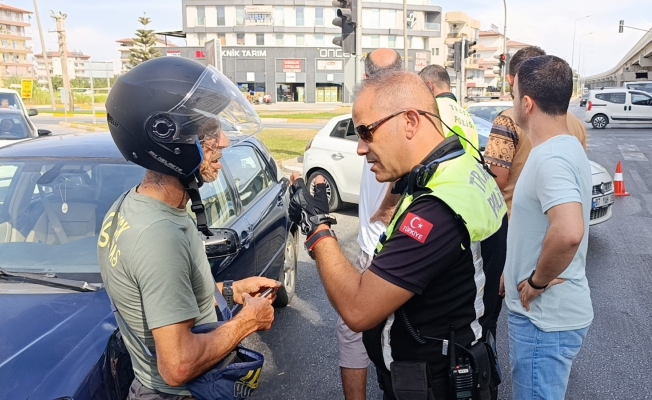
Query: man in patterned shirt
pixel 508 146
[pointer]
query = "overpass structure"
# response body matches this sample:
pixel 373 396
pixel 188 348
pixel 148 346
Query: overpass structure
pixel 635 66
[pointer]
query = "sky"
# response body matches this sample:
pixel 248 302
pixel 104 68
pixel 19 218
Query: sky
pixel 93 26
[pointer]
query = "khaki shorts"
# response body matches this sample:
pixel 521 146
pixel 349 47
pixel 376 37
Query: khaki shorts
pixel 349 343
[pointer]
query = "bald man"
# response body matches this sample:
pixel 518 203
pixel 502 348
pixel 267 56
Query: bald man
pixel 424 277
pixel 353 357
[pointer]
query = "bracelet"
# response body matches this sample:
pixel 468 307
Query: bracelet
pixel 529 281
pixel 312 241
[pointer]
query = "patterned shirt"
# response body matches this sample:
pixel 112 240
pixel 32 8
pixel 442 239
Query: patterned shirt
pixel 502 143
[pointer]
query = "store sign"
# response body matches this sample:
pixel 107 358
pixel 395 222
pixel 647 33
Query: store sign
pixel 330 65
pixel 200 54
pixel 420 60
pixel 244 53
pixel 290 77
pixel 292 65
pixel 336 53
pixel 259 15
pixel 174 53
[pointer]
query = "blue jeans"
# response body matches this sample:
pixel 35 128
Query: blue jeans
pixel 541 361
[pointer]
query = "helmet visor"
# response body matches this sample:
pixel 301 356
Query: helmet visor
pixel 213 97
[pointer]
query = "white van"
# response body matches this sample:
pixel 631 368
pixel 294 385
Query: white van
pixel 645 86
pixel 618 105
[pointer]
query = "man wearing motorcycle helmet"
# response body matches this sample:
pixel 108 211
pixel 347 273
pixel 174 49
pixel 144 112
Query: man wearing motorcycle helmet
pixel 164 115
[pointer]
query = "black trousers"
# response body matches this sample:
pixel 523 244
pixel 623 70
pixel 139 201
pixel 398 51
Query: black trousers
pixel 494 253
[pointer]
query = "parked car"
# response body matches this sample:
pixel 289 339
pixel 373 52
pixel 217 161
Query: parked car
pixel 488 110
pixel 584 99
pixel 618 105
pixel 333 154
pixel 14 127
pixel 60 338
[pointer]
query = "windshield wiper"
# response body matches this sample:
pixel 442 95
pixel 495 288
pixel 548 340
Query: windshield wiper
pixel 79 286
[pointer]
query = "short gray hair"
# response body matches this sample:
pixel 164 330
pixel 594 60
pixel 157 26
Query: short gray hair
pixel 437 75
pixel 398 89
pixel 372 69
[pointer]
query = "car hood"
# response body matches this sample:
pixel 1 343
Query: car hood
pixel 597 169
pixel 50 341
pixel 4 143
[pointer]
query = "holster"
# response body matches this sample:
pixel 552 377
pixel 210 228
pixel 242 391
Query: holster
pixel 412 381
pixel 482 371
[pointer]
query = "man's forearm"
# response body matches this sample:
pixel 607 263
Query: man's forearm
pixel 387 206
pixel 556 255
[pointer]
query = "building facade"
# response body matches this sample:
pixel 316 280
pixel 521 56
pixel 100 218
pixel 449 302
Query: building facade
pixel 459 25
pixel 125 46
pixel 78 64
pixel 491 44
pixel 16 57
pixel 284 48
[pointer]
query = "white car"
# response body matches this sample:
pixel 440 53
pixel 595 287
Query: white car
pixel 618 105
pixel 333 154
pixel 488 110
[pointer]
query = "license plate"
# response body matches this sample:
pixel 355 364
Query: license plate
pixel 603 201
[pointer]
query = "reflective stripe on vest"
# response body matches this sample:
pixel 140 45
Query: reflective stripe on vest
pixel 459 120
pixel 464 185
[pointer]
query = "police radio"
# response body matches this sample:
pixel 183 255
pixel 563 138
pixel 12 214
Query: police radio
pixel 461 372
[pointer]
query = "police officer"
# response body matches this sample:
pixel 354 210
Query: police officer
pixel 164 115
pixel 426 280
pixel 451 113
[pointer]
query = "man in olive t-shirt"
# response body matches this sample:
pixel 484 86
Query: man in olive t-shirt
pixel 158 286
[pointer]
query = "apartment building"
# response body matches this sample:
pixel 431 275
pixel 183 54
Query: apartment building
pixel 15 42
pixel 125 46
pixel 491 44
pixel 78 65
pixel 285 48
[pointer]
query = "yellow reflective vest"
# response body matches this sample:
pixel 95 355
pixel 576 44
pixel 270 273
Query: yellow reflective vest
pixel 460 121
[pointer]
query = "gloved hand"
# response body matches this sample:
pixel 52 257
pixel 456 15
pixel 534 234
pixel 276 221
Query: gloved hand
pixel 306 210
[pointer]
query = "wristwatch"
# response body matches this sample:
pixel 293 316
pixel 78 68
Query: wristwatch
pixel 531 283
pixel 227 292
pixel 315 238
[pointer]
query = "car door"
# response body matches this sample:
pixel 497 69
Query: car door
pixel 345 162
pixel 224 211
pixel 640 109
pixel 613 104
pixel 263 201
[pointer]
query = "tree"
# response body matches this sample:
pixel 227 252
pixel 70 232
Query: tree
pixel 144 44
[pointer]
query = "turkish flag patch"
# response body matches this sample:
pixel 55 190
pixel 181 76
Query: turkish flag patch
pixel 416 227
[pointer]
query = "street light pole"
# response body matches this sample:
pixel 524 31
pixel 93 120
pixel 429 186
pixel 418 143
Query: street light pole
pixel 405 35
pixel 580 60
pixel 580 70
pixel 502 90
pixel 574 30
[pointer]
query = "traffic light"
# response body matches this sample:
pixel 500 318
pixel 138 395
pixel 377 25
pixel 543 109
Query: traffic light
pixel 347 15
pixel 502 58
pixel 470 48
pixel 508 58
pixel 454 58
pixel 621 26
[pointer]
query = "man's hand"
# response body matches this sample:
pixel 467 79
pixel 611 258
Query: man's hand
pixel 259 309
pixel 254 286
pixel 501 288
pixel 306 210
pixel 528 293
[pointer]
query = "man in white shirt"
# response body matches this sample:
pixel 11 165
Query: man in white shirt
pixel 353 356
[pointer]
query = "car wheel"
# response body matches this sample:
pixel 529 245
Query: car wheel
pixel 334 201
pixel 289 273
pixel 599 121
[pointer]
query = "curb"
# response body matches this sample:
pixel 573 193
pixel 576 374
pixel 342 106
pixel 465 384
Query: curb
pixel 86 127
pixel 273 121
pixel 292 165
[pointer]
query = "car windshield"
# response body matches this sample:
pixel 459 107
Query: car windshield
pixel 488 113
pixel 10 101
pixel 51 211
pixel 13 126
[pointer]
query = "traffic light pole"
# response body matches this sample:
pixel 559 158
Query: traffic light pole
pixel 359 65
pixel 405 36
pixel 462 86
pixel 502 90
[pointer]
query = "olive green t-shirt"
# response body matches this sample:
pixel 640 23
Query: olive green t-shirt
pixel 157 274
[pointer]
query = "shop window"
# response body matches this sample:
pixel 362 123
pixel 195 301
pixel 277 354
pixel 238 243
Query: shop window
pixel 240 39
pixel 260 39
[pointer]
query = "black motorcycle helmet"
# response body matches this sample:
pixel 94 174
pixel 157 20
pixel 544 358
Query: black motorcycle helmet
pixel 155 110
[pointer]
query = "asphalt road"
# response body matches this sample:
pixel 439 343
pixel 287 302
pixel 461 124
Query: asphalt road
pixel 301 353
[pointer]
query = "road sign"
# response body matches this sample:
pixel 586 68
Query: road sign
pixel 26 88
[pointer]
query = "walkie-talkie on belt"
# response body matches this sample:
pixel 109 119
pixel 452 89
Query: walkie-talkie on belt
pixel 461 372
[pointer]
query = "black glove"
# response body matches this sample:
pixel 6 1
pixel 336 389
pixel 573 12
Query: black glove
pixel 308 211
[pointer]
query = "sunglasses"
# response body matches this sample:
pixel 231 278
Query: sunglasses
pixel 365 132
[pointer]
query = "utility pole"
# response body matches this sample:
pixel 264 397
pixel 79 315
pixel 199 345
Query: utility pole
pixel 60 19
pixel 462 80
pixel 502 90
pixel 45 56
pixel 405 35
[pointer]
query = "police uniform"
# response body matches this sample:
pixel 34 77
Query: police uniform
pixel 432 249
pixel 459 120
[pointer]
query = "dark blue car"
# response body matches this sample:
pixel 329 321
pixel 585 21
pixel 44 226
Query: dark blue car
pixel 58 336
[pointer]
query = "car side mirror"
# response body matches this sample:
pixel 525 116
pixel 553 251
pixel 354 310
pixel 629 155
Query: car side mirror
pixel 223 243
pixel 32 112
pixel 44 132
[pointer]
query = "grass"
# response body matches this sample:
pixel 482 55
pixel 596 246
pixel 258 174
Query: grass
pixel 286 143
pixel 321 115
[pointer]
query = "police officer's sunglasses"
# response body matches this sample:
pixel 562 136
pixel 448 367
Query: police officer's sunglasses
pixel 365 132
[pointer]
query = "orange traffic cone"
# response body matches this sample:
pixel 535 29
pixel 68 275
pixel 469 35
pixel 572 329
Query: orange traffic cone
pixel 619 184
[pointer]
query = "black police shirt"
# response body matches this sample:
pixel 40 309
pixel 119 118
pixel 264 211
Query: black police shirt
pixel 428 254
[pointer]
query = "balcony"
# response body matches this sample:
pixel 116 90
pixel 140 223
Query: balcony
pixel 13 21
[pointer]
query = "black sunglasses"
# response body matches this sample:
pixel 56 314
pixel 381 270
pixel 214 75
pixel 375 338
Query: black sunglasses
pixel 365 132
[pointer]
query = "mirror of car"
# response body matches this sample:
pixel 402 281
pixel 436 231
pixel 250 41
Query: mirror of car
pixel 32 112
pixel 223 243
pixel 44 132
